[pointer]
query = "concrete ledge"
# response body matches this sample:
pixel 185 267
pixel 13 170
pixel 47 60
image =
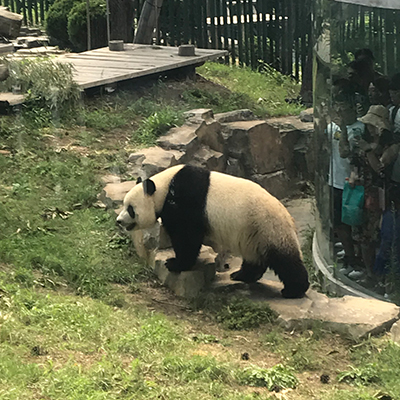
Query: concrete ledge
pixel 333 286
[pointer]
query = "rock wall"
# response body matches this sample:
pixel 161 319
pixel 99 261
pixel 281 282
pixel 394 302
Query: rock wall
pixel 273 153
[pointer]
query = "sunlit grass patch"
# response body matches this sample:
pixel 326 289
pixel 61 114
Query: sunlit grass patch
pixel 266 90
pixel 157 124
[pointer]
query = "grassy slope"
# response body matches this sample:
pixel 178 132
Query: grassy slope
pixel 80 318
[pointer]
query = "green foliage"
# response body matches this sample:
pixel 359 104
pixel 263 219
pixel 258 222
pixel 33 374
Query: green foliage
pixel 157 124
pixel 77 25
pixel 57 21
pixel 364 375
pixel 242 313
pixel 66 23
pixel 49 85
pixel 275 378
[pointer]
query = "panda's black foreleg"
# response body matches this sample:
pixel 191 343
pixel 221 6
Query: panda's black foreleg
pixel 249 272
pixel 186 247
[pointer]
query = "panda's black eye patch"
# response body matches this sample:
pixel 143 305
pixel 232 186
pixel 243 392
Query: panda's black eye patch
pixel 131 212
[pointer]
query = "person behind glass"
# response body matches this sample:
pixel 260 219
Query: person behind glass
pixel 376 152
pixel 378 92
pixel 344 120
pixel 367 55
pixel 388 257
pixel 394 91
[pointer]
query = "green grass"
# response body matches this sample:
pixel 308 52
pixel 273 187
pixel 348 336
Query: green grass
pixel 239 313
pixel 265 92
pixel 76 321
pixel 48 223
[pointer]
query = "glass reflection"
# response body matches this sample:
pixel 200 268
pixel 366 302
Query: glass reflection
pixel 357 142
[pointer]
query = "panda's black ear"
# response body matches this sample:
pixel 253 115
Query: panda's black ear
pixel 149 187
pixel 138 180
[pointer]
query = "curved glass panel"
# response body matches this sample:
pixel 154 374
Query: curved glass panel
pixel 357 140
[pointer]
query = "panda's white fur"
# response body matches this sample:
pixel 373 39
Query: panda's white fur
pixel 242 218
pixel 247 201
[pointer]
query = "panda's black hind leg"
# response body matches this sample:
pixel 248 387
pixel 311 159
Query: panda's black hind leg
pixel 249 272
pixel 292 273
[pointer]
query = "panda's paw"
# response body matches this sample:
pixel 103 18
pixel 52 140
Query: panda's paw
pixel 243 277
pixel 292 294
pixel 172 265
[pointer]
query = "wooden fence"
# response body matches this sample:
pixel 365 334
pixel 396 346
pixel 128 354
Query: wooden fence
pixel 256 32
pixel 374 28
pixel 33 11
pixel 274 32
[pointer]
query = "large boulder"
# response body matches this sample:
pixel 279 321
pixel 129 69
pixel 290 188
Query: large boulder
pixel 113 194
pixel 257 144
pixel 233 116
pixel 210 134
pixel 148 162
pixel 199 115
pixel 187 284
pixel 209 159
pixel 182 139
pixel 277 183
pixel 296 138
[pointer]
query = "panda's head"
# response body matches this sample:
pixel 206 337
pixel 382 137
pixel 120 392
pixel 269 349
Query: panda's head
pixel 139 209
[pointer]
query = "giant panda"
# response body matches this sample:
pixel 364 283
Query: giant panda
pixel 230 214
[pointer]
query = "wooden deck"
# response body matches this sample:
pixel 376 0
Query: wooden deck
pixel 101 66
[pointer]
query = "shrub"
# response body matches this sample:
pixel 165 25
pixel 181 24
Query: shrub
pixel 77 25
pixel 57 21
pixel 360 376
pixel 49 85
pixel 275 378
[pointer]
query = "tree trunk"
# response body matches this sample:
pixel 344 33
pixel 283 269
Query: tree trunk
pixel 121 20
pixel 148 21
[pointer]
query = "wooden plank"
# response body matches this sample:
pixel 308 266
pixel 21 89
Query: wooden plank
pixel 260 50
pixel 144 49
pixel 211 14
pixel 185 6
pixel 101 67
pixel 232 32
pixel 253 58
pixel 264 9
pixel 133 62
pixel 225 28
pixel 172 22
pixel 110 64
pixel 122 59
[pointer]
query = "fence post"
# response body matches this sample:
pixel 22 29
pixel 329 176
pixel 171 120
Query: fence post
pixel 89 39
